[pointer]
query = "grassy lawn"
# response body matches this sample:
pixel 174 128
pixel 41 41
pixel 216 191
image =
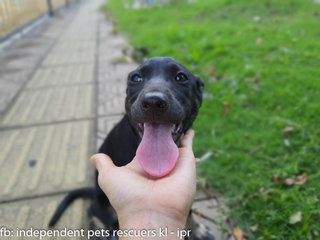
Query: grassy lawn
pixel 260 60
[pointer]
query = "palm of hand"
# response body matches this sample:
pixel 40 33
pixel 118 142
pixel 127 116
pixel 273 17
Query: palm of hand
pixel 135 194
pixel 132 191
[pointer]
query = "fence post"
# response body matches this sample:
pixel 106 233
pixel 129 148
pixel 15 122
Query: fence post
pixel 50 9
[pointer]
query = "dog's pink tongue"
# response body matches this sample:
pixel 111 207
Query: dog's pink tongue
pixel 157 152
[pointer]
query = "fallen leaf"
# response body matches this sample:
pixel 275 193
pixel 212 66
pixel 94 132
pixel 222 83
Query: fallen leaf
pixel 288 130
pixel 288 181
pixel 299 180
pixel 259 40
pixel 226 107
pixel 295 218
pixel 275 178
pixel 302 179
pixel 212 71
pixel 278 107
pixel 115 23
pixel 256 18
pixel 286 142
pixel 207 189
pixel 255 29
pixel 254 228
pixel 237 233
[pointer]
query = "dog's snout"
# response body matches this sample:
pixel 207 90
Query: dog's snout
pixel 154 101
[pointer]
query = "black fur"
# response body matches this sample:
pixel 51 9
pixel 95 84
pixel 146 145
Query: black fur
pixel 83 193
pixel 161 90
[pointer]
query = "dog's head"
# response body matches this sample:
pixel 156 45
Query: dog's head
pixel 162 95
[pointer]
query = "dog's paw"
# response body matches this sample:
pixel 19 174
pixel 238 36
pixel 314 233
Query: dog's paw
pixel 198 230
pixel 103 220
pixel 201 232
pixel 97 225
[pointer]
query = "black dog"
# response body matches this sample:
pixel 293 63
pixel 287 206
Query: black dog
pixel 162 96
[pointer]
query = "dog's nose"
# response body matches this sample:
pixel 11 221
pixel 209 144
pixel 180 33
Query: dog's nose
pixel 154 101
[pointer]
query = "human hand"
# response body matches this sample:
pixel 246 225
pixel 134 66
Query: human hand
pixel 144 202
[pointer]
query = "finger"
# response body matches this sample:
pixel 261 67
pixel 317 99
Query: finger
pixel 186 163
pixel 185 170
pixel 181 137
pixel 101 162
pixel 187 139
pixel 135 165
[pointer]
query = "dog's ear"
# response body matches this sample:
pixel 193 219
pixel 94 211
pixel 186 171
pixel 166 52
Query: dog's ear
pixel 200 84
pixel 199 90
pixel 128 79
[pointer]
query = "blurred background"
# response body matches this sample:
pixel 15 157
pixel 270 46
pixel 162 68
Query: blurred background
pixel 15 14
pixel 259 126
pixel 258 130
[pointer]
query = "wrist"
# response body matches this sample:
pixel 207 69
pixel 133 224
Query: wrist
pixel 150 225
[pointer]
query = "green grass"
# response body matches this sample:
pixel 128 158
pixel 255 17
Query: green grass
pixel 260 77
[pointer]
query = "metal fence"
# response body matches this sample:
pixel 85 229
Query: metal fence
pixel 16 13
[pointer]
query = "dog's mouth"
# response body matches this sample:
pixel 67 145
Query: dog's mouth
pixel 157 152
pixel 176 130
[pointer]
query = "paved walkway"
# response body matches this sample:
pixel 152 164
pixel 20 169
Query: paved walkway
pixel 49 100
pixel 59 96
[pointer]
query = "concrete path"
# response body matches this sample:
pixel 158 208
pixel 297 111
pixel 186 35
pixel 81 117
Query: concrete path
pixel 60 94
pixel 48 118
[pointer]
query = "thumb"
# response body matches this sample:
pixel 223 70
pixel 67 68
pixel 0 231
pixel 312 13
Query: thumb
pixel 102 162
pixel 104 165
pixel 188 139
pixel 186 162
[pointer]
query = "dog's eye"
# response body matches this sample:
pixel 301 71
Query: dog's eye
pixel 181 77
pixel 136 78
